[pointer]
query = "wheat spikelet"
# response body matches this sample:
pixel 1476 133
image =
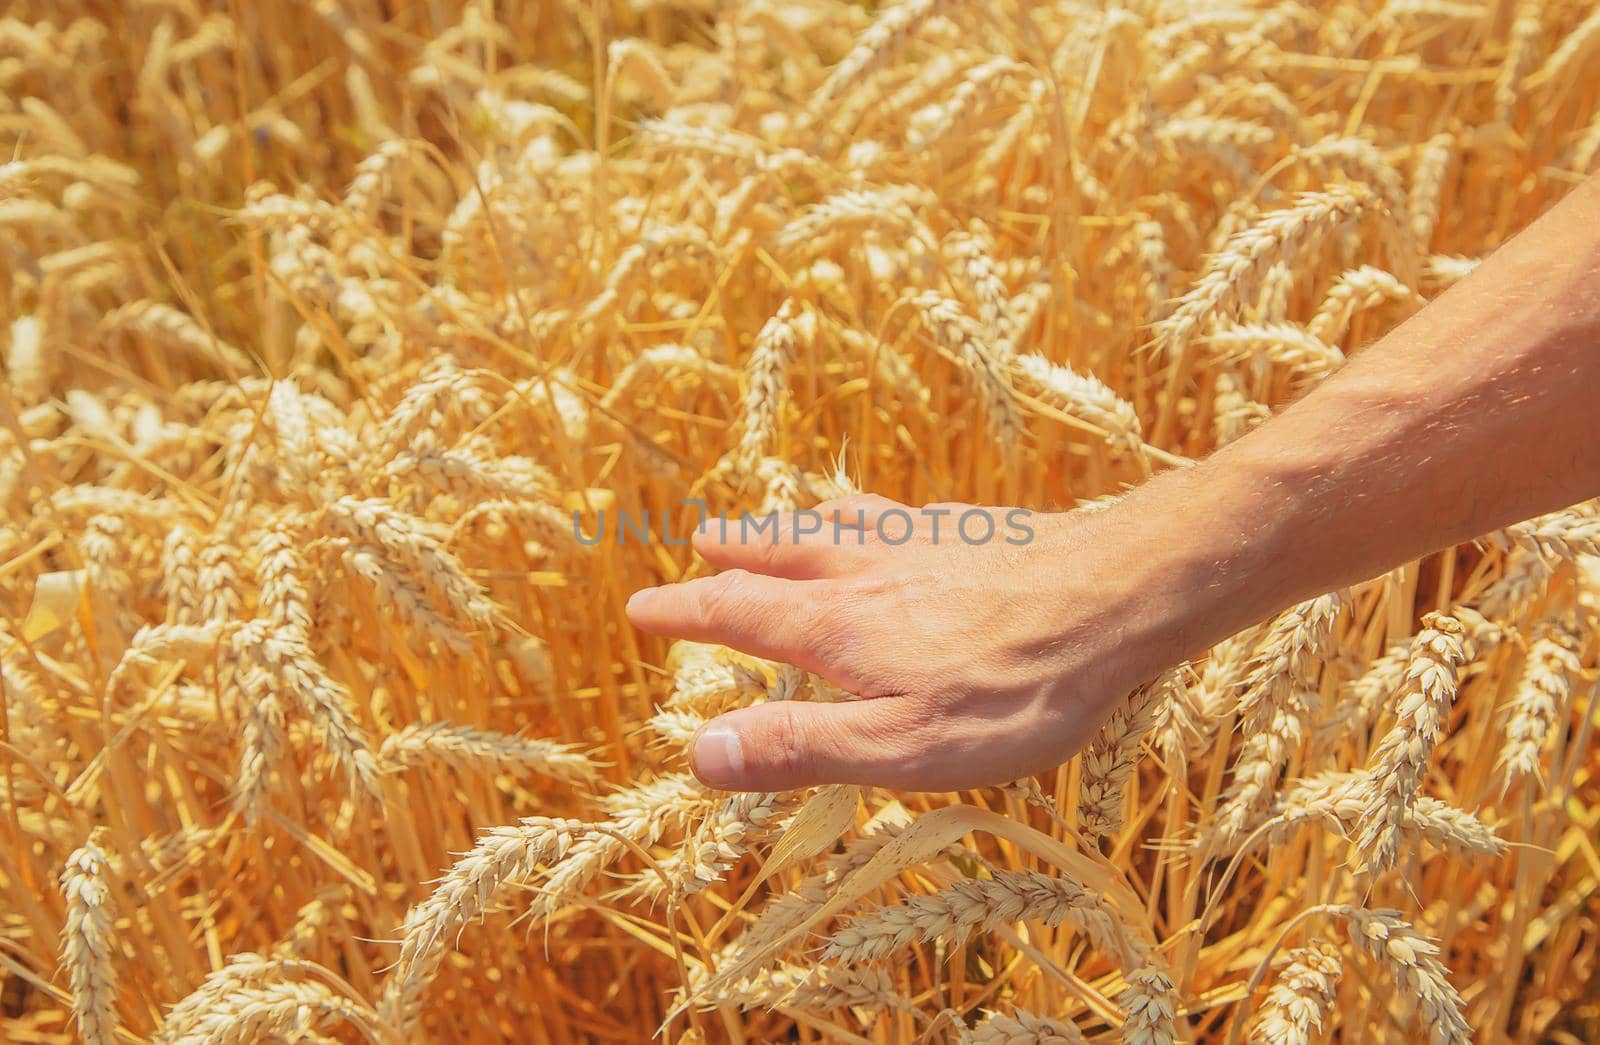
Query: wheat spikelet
pixel 1338 800
pixel 704 685
pixel 974 251
pixel 641 815
pixel 261 743
pixel 1024 1028
pixel 1285 344
pixel 1287 657
pixel 189 644
pixel 1237 269
pixel 416 545
pixel 1565 534
pixel 173 328
pixel 979 904
pixel 474 472
pixel 243 969
pixel 471 749
pixel 785 912
pixel 310 926
pixel 1301 998
pixel 218 578
pixel 1526 578
pixel 1235 413
pixel 87 948
pixel 397 591
pixel 1412 959
pixel 1275 709
pixel 780 338
pixel 988 364
pixel 1155 267
pixel 938 74
pixel 1427 184
pixel 678 728
pixel 727 834
pixel 208 1012
pixel 1081 396
pixel 1526 30
pixel 1110 758
pixel 1361 698
pixel 373 176
pixel 1356 289
pixel 444 389
pixel 103 548
pixel 1574 49
pixel 280 573
pixel 1397 764
pixel 1541 698
pixel 818 987
pixel 180 575
pixel 26 361
pixel 659 363
pixel 780 486
pixel 287 1008
pixel 874 50
pixel 975 93
pixel 887 211
pixel 1149 1004
pixel 279 661
pixel 505 854
pixel 673 134
pixel 296 449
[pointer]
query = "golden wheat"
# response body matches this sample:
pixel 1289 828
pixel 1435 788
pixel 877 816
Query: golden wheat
pixel 339 350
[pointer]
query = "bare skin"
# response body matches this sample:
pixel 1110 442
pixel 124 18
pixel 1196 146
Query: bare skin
pixel 980 663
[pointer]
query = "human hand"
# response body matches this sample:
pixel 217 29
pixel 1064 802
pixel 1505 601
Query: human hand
pixel 977 663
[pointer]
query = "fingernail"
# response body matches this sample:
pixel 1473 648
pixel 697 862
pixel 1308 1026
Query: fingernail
pixel 718 759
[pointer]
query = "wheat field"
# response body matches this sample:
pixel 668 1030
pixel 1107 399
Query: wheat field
pixel 329 329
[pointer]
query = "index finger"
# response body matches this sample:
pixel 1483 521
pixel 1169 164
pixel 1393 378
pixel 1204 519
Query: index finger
pixel 767 617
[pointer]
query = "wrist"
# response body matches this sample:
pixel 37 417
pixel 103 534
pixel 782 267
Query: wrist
pixel 1206 552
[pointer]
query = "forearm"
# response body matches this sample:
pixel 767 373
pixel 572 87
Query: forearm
pixel 1481 410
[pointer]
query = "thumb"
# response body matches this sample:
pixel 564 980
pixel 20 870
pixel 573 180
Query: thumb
pixel 785 744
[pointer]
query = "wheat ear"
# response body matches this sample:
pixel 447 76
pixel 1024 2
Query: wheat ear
pixel 1543 693
pixel 1301 998
pixel 1413 960
pixel 86 944
pixel 1235 272
pixel 470 749
pixel 1024 1028
pixel 1110 758
pixel 1397 765
pixel 979 904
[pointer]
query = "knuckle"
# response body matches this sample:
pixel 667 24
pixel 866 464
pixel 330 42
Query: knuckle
pixel 789 742
pixel 714 595
pixel 828 622
pixel 765 554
